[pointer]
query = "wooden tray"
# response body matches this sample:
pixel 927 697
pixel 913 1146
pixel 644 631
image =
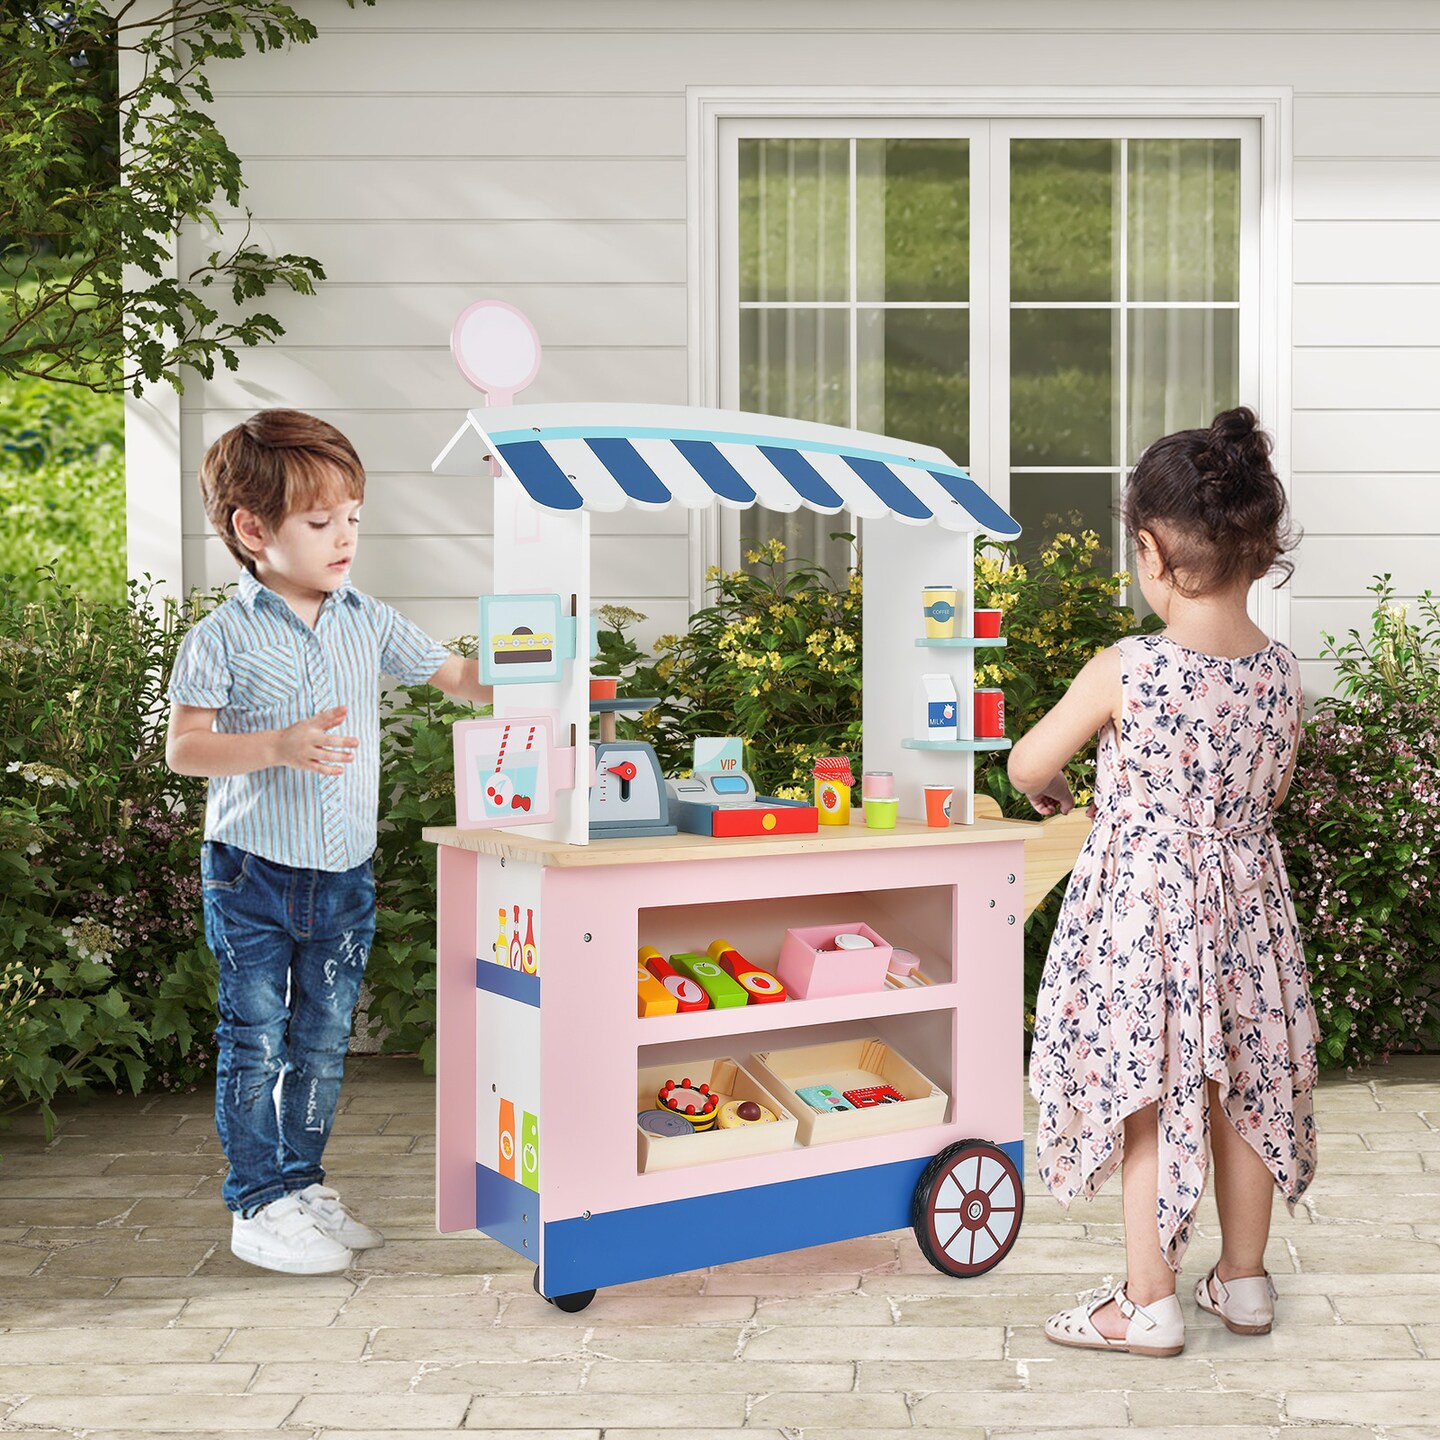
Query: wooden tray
pixel 731 1081
pixel 851 1065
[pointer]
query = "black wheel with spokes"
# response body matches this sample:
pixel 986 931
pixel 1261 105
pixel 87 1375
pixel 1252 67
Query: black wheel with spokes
pixel 967 1208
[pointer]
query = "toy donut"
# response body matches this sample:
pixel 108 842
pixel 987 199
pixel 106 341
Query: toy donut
pixel 695 1103
pixel 734 1113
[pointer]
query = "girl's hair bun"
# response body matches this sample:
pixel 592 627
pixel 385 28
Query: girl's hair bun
pixel 1216 496
pixel 1233 458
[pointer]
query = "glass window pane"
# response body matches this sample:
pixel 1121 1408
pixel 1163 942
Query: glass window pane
pixel 1063 403
pixel 796 363
pixel 794 219
pixel 912 219
pixel 1184 367
pixel 914 377
pixel 1064 239
pixel 1049 504
pixel 1184 241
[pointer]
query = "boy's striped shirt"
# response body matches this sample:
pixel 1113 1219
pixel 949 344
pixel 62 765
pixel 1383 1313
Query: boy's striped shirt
pixel 260 667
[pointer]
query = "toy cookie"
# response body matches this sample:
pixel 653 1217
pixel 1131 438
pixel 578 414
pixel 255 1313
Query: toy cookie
pixel 695 1103
pixel 734 1113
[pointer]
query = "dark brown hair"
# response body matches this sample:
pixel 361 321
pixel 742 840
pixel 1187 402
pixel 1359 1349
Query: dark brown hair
pixel 274 464
pixel 1213 500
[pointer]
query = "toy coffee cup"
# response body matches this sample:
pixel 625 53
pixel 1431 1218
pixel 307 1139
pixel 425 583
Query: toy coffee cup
pixel 987 624
pixel 938 799
pixel 940 602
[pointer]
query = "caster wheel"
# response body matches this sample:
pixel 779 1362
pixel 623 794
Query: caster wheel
pixel 568 1303
pixel 967 1208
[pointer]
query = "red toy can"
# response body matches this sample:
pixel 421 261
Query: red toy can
pixel 989 714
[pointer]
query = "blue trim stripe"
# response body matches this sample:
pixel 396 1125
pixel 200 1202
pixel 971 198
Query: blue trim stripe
pixel 716 471
pixel 649 1240
pixel 507 1211
pixel 631 472
pixel 512 984
pixel 976 502
pixel 544 481
pixel 807 482
pixel 883 481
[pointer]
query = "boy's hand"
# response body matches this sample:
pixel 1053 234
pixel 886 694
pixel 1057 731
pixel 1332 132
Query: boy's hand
pixel 308 745
pixel 1055 798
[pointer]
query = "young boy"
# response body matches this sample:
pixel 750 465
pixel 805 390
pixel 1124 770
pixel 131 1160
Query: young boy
pixel 275 696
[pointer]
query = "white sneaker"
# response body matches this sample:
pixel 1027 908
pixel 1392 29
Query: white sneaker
pixel 323 1206
pixel 284 1236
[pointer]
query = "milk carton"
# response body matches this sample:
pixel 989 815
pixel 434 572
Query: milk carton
pixel 939 709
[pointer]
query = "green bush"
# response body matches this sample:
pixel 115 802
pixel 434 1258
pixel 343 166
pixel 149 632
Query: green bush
pixel 62 489
pixel 1361 832
pixel 417 783
pixel 101 906
pixel 775 657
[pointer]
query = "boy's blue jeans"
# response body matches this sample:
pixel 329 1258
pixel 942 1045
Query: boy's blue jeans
pixel 291 946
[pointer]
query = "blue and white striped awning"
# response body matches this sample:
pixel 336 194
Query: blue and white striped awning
pixel 604 457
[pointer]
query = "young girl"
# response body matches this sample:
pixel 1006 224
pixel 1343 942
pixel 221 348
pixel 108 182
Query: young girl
pixel 1175 1002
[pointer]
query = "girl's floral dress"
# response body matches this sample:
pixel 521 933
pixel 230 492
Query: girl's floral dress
pixel 1176 957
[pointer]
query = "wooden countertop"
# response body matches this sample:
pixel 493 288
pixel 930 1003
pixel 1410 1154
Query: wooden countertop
pixel 647 850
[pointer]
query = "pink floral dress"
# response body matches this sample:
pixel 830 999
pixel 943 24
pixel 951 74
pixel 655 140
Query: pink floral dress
pixel 1176 957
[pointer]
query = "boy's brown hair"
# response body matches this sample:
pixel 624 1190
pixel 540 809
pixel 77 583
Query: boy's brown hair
pixel 274 464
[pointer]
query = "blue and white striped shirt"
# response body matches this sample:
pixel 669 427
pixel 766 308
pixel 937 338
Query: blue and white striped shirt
pixel 260 667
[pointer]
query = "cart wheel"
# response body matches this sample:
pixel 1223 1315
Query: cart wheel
pixel 568 1303
pixel 967 1208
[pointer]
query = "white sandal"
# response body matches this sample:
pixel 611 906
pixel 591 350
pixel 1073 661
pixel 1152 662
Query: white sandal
pixel 1154 1329
pixel 1246 1304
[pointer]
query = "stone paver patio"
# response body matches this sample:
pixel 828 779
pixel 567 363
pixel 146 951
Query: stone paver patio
pixel 123 1314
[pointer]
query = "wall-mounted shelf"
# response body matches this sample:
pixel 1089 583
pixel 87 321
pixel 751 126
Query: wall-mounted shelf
pixel 970 745
pixel 966 642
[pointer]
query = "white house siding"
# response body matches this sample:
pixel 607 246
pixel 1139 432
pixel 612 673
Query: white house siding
pixel 434 151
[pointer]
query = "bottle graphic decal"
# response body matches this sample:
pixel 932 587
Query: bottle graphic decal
pixel 517 946
pixel 507 1139
pixel 530 1151
pixel 530 955
pixel 502 944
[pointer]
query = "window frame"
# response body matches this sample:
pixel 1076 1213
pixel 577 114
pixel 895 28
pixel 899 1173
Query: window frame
pixel 1260 118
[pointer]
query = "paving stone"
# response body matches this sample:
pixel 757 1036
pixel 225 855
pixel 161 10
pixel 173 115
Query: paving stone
pixel 498 1343
pixel 491 1433
pixel 1321 1249
pixel 851 1309
pixel 1352 1373
pixel 117 1346
pixel 366 1377
pixel 684 1412
pixel 368 1310
pixel 66 1312
pixel 264 1343
pixel 1149 1408
pixel 871 1342
pixel 92 1378
pixel 1036 1409
pixel 776 1287
pixel 149 1413
pixel 260 1285
pixel 230 1311
pixel 21 1259
pixel 747 1376
pixel 1395 1407
pixel 852 1412
pixel 526 1377
pixel 414 1412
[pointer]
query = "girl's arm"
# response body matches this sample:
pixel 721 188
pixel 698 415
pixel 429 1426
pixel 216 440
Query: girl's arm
pixel 1038 760
pixel 459 678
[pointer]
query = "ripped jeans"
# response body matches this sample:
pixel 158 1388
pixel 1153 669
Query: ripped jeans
pixel 291 947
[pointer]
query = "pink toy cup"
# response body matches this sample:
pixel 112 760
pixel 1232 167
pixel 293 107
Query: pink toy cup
pixel 877 785
pixel 987 624
pixel 938 799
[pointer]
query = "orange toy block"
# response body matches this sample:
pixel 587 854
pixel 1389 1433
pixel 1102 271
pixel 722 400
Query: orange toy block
pixel 688 994
pixel 652 998
pixel 761 987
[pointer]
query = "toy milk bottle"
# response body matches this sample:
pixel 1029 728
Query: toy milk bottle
pixel 938 708
pixel 833 779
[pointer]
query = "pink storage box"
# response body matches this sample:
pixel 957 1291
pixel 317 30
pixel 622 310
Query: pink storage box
pixel 811 966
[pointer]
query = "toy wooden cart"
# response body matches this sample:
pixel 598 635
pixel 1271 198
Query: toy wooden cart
pixel 544 1061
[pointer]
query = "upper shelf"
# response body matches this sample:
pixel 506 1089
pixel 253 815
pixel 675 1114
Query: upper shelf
pixel 955 744
pixel 967 642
